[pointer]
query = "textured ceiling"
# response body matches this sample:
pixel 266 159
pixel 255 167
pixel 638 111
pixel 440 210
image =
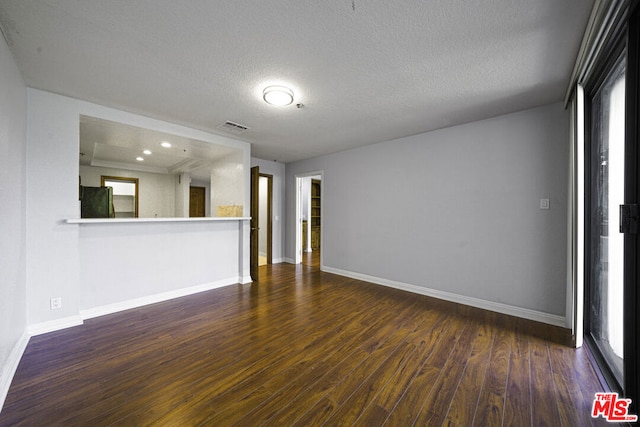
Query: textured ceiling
pixel 366 70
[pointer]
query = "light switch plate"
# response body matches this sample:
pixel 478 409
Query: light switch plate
pixel 544 204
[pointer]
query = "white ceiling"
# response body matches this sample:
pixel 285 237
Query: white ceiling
pixel 366 70
pixel 104 143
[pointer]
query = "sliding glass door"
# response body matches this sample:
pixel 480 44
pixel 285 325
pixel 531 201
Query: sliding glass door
pixel 611 85
pixel 605 293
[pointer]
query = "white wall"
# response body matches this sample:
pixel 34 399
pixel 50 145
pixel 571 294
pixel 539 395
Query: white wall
pixel 52 196
pixel 278 171
pixel 306 210
pixel 453 212
pixel 306 198
pixel 124 262
pixel 61 257
pixel 182 182
pixel 156 192
pixel 13 113
pixel 228 182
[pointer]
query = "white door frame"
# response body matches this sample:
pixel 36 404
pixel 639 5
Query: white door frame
pixel 298 246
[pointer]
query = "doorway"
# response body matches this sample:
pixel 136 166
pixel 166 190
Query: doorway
pixel 265 232
pixel 125 195
pixel 309 218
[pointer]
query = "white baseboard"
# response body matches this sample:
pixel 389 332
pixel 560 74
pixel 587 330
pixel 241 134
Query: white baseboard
pixel 152 299
pixel 246 280
pixel 525 313
pixel 68 322
pixel 11 365
pixel 289 260
pixel 54 325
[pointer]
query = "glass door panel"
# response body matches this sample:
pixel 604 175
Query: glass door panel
pixel 605 319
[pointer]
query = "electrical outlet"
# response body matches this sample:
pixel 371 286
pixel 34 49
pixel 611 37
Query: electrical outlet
pixel 56 303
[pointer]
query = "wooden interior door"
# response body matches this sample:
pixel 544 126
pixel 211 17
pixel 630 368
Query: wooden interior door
pixel 255 211
pixel 197 200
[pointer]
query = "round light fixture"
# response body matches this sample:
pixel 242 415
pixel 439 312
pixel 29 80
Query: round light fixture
pixel 147 152
pixel 140 159
pixel 165 144
pixel 277 95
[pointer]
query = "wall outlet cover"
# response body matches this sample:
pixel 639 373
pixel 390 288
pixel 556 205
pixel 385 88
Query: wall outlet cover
pixel 56 303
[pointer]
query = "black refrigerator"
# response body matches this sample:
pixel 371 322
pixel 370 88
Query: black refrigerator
pixel 96 202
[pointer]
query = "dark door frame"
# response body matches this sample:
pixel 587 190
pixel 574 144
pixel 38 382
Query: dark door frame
pixel 632 196
pixel 255 224
pixel 269 215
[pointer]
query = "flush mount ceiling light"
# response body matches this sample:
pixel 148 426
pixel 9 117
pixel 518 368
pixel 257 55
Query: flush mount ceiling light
pixel 277 95
pixel 165 144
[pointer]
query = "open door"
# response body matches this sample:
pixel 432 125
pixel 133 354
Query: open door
pixel 255 212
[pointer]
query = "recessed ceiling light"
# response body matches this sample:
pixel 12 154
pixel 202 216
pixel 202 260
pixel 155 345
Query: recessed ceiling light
pixel 277 95
pixel 165 144
pixel 147 152
pixel 140 159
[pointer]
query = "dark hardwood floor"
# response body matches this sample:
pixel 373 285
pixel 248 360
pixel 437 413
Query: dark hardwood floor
pixel 302 347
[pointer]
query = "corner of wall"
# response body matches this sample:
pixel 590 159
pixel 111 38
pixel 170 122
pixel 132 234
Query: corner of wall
pixel 11 365
pixel 13 277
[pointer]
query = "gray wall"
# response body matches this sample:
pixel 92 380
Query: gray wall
pixel 278 171
pixel 455 211
pixel 13 113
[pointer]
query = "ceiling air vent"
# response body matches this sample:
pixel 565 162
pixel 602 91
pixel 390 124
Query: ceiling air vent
pixel 232 127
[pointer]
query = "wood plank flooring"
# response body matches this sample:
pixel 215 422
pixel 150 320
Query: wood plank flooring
pixel 303 348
